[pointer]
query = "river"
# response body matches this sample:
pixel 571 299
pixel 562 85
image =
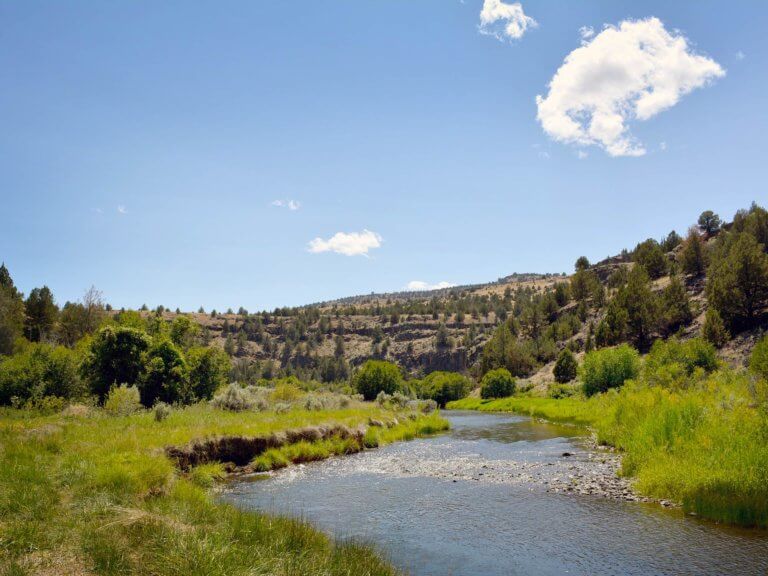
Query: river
pixel 486 498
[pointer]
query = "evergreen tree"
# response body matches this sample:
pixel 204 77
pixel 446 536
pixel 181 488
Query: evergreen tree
pixel 41 312
pixel 694 256
pixel 11 312
pixel 709 222
pixel 565 367
pixel 714 330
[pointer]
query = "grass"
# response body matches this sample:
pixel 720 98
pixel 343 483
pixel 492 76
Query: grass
pixel 704 445
pixel 95 494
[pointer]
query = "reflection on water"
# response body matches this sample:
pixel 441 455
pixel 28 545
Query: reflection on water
pixel 464 504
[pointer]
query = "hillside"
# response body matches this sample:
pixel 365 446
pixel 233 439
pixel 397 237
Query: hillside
pixel 448 329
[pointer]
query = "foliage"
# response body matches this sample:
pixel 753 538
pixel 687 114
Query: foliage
pixel 650 256
pixel 693 255
pixel 208 370
pixel 497 383
pixel 675 306
pixel 122 400
pixel 161 411
pixel 444 387
pixel 609 368
pixel 165 377
pixel 11 312
pixel 377 376
pixel 116 356
pixel 738 279
pixel 758 361
pixel 41 313
pixel 582 263
pixel 709 222
pixel 40 370
pixel 672 362
pixel 234 398
pixel 714 330
pixel 566 367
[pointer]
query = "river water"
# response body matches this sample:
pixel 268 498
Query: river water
pixel 482 500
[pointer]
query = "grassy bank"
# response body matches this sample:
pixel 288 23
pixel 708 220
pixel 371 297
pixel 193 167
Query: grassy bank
pixel 703 443
pixel 82 492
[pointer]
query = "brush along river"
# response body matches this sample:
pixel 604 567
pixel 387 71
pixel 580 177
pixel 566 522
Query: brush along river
pixel 501 494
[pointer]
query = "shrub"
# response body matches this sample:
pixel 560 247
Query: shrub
pixel 566 367
pixel 714 330
pixel 758 361
pixel 234 398
pixel 382 398
pixel 609 368
pixel 444 387
pixel 558 391
pixel 497 383
pixel 161 411
pixel 428 406
pixel 122 400
pixel 40 370
pixel 116 355
pixel 377 376
pixel 208 370
pixel 671 363
pixel 286 392
pixel 165 377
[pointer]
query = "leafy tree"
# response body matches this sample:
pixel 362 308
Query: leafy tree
pixel 676 306
pixel 714 330
pixel 738 280
pixel 668 358
pixel 184 332
pixel 208 370
pixel 503 350
pixel 116 356
pixel 709 222
pixel 11 312
pixel 497 383
pixel 41 313
pixel 582 263
pixel 377 376
pixel 166 377
pixel 40 370
pixel 565 367
pixel 671 241
pixel 444 387
pixel 609 368
pixel 694 256
pixel 584 285
pixel 650 256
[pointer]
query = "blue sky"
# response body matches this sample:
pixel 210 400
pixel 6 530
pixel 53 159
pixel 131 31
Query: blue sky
pixel 144 144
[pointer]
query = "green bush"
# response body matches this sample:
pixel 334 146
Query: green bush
pixel 444 387
pixel 497 383
pixel 116 356
pixel 122 400
pixel 40 370
pixel 758 361
pixel 566 367
pixel 609 368
pixel 688 355
pixel 165 377
pixel 208 370
pixel 377 376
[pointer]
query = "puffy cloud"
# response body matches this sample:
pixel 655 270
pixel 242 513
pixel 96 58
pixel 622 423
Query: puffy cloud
pixel 627 72
pixel 503 21
pixel 292 205
pixel 417 285
pixel 349 244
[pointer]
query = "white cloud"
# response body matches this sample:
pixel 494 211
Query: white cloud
pixel 418 285
pixel 349 244
pixel 122 209
pixel 586 32
pixel 627 72
pixel 503 21
pixel 292 205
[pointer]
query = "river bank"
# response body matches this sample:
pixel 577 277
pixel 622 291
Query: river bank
pixel 479 500
pixel 83 492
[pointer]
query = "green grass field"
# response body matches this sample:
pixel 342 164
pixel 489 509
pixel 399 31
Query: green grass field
pixel 88 493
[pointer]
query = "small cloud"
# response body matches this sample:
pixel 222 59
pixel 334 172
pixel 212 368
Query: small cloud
pixel 581 155
pixel 420 285
pixel 662 146
pixel 292 205
pixel 348 244
pixel 586 32
pixel 740 55
pixel 122 209
pixel 626 73
pixel 504 21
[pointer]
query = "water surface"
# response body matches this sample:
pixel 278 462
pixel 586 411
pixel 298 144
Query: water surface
pixel 479 500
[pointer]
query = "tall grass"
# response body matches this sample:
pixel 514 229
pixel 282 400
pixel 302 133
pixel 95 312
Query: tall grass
pixel 92 493
pixel 704 445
